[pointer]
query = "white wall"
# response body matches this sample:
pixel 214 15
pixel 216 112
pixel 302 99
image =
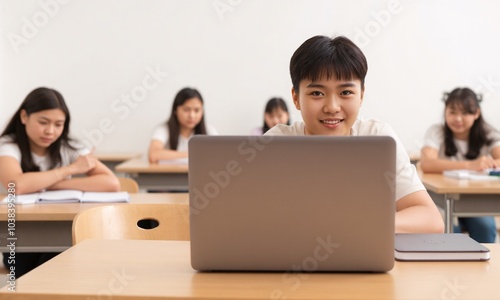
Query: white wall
pixel 94 52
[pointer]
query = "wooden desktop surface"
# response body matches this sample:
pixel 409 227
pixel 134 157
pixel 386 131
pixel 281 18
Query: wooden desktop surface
pixel 47 227
pixel 139 165
pixel 440 184
pixel 116 156
pixel 125 269
pixel 67 211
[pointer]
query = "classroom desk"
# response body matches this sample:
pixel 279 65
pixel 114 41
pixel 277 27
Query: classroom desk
pixel 128 269
pixel 171 177
pixel 112 159
pixel 47 227
pixel 462 198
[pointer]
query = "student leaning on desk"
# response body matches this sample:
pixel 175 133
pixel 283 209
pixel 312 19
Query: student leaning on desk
pixel 37 154
pixel 187 118
pixel 328 78
pixel 464 141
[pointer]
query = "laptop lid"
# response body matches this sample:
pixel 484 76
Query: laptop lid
pixel 292 203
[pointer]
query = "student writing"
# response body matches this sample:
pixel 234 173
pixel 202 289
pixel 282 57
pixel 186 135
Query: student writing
pixel 187 118
pixel 328 77
pixel 36 154
pixel 464 141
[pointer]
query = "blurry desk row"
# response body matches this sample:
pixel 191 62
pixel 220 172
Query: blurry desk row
pixel 47 227
pixel 128 269
pixel 458 198
pixel 160 177
pixel 163 177
pixel 112 159
pixel 463 198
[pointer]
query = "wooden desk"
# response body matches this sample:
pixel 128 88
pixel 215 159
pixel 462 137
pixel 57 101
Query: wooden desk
pixel 121 269
pixel 112 159
pixel 462 198
pixel 47 227
pixel 156 176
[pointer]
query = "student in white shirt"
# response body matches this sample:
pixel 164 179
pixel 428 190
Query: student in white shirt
pixel 36 153
pixel 464 141
pixel 275 112
pixel 328 86
pixel 187 118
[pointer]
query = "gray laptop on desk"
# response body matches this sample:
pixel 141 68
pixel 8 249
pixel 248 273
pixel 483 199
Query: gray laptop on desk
pixel 290 203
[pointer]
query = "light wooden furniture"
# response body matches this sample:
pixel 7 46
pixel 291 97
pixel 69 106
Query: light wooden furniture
pixel 172 177
pixel 133 222
pixel 128 185
pixel 48 227
pixel 112 159
pixel 462 198
pixel 128 269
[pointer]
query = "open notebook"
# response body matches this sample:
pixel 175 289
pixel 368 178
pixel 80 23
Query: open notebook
pixel 488 174
pixel 69 196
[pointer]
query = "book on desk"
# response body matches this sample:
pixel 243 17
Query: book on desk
pixel 438 247
pixel 488 174
pixel 68 196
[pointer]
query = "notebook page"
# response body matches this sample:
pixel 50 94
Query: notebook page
pixel 105 197
pixel 60 196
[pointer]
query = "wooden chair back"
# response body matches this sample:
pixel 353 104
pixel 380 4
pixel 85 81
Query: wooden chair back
pixel 128 185
pixel 133 222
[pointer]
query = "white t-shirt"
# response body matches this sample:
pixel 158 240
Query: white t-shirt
pixel 434 138
pixel 161 134
pixel 407 180
pixel 68 155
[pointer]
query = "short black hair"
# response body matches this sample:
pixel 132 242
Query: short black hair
pixel 321 55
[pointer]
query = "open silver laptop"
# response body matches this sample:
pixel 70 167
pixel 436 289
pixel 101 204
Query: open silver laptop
pixel 292 203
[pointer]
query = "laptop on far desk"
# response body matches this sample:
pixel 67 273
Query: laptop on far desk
pixel 292 203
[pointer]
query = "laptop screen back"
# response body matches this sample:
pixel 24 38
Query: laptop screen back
pixel 275 203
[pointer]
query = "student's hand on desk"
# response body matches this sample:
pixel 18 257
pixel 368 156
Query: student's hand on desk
pixel 497 163
pixel 482 163
pixel 84 164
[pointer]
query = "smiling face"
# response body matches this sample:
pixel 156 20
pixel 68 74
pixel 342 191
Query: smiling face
pixel 43 128
pixel 328 106
pixel 189 114
pixel 460 121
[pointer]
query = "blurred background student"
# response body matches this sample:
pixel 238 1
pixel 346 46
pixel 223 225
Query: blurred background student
pixel 37 154
pixel 464 141
pixel 276 112
pixel 187 118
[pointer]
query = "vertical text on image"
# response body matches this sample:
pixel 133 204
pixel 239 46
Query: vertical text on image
pixel 11 236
